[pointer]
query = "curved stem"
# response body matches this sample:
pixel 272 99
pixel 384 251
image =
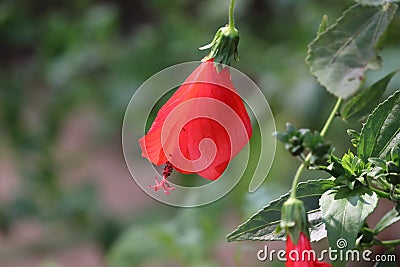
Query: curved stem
pixel 390 242
pixel 299 171
pixel 331 116
pixel 380 193
pixel 384 184
pixel 306 162
pixel 388 186
pixel 231 18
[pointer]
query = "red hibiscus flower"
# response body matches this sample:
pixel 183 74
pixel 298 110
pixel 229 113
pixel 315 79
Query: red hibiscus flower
pixel 301 255
pixel 200 128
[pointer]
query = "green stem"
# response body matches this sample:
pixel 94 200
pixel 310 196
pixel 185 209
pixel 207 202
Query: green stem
pixel 306 162
pixel 380 193
pixel 384 184
pixel 387 185
pixel 300 169
pixel 331 116
pixel 231 18
pixel 390 243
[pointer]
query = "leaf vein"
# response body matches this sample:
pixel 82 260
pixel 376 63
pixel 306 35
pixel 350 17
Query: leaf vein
pixel 346 44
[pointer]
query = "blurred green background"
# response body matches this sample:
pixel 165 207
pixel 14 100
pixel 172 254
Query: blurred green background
pixel 67 72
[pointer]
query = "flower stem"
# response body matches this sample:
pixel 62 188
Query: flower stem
pixel 388 186
pixel 231 18
pixel 300 169
pixel 306 162
pixel 331 116
pixel 380 193
pixel 390 243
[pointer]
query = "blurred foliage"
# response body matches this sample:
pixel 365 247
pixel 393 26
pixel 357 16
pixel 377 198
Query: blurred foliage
pixel 58 58
pixel 184 239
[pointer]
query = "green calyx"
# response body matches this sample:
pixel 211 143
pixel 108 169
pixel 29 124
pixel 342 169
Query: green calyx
pixel 223 46
pixel 294 219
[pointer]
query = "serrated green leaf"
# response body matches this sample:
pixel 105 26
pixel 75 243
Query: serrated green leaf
pixel 340 56
pixel 390 218
pixel 375 2
pixel 364 102
pixel 344 212
pixel 381 132
pixel 261 226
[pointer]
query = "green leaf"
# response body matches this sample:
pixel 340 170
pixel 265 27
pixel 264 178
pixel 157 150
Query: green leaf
pixel 340 56
pixel 262 225
pixel 375 2
pixel 390 218
pixel 381 132
pixel 364 102
pixel 344 212
pixel 355 136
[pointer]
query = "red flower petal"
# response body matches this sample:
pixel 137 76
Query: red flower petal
pixel 201 127
pixel 294 254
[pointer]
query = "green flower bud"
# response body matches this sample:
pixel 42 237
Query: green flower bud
pixel 223 46
pixel 294 218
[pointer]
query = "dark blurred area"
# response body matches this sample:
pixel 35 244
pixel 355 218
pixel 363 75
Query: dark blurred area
pixel 67 72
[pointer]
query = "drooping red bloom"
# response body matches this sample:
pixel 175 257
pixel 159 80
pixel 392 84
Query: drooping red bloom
pixel 300 255
pixel 201 127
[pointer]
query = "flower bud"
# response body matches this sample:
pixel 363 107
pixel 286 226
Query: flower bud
pixel 294 218
pixel 223 46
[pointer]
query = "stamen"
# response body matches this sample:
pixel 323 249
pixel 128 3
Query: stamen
pixel 163 184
